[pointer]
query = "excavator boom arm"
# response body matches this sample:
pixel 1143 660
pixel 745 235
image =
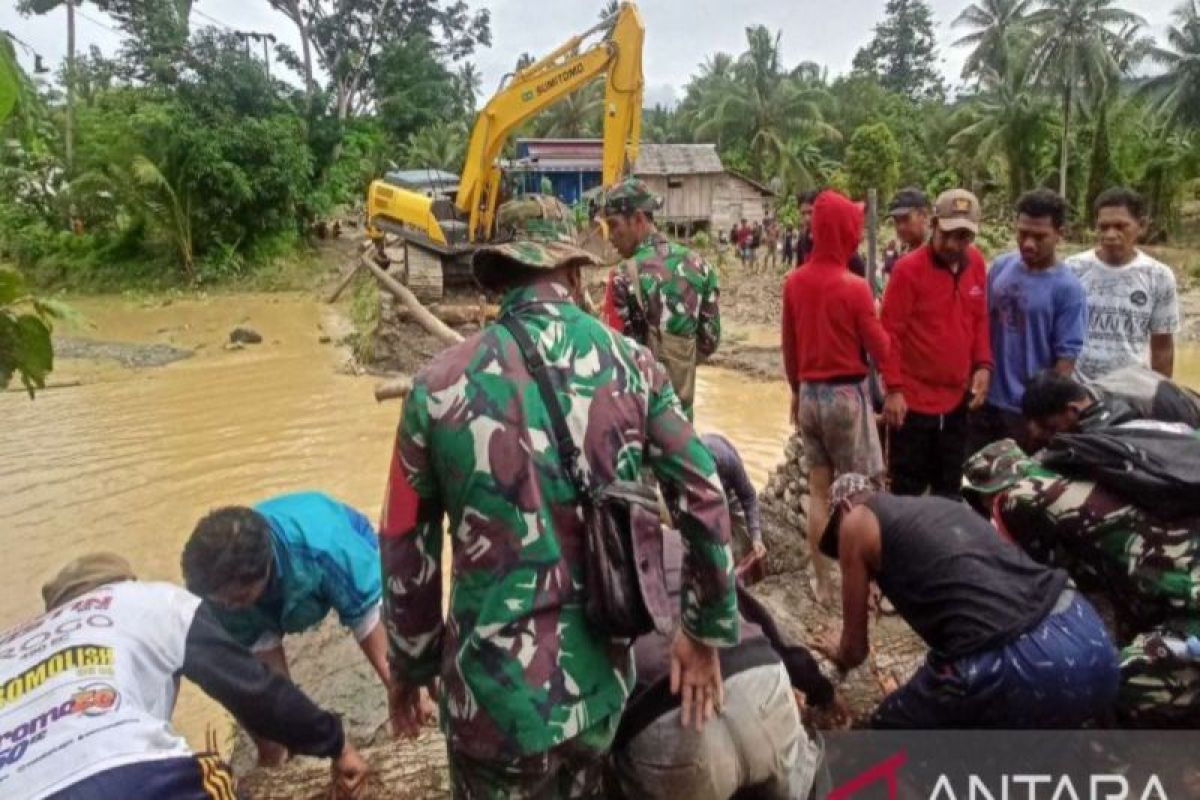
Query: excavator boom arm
pixel 541 85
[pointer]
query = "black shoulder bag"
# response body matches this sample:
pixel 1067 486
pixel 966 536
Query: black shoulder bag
pixel 624 579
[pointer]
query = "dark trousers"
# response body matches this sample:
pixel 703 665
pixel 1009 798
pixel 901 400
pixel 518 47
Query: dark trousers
pixel 927 452
pixel 1060 674
pixel 991 424
pixel 198 778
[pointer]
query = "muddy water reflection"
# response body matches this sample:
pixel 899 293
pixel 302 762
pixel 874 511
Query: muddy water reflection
pixel 129 460
pixel 753 414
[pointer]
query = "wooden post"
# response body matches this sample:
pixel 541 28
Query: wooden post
pixel 341 287
pixel 872 235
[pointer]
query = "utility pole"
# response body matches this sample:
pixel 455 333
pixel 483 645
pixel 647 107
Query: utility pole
pixel 267 54
pixel 70 126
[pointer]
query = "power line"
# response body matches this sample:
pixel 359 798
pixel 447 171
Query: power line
pixel 200 13
pixel 95 21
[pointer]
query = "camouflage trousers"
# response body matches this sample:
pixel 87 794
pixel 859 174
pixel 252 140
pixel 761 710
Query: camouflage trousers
pixel 573 770
pixel 1157 690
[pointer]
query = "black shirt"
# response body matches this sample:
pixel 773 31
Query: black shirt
pixel 951 577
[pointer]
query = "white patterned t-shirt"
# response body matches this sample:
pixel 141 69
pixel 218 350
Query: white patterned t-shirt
pixel 1126 305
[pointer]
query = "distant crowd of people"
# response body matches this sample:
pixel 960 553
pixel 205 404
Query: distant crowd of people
pixel 595 640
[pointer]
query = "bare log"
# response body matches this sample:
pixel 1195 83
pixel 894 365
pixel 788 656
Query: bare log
pixel 399 770
pixel 457 314
pixel 394 389
pixel 341 287
pixel 420 314
pixel 46 388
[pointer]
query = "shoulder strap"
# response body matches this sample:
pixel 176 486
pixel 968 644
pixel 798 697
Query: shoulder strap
pixel 635 280
pixel 568 452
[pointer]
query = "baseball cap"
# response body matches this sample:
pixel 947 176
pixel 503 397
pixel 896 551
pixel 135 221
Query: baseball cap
pixel 957 210
pixel 536 231
pixel 629 195
pixel 83 575
pixel 906 201
pixel 843 488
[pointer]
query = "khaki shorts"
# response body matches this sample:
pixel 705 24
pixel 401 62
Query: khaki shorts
pixel 837 425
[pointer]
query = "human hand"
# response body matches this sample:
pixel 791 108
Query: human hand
pixel 829 644
pixel 696 677
pixel 760 549
pixel 895 409
pixel 794 411
pixel 980 382
pixel 834 715
pixel 410 708
pixel 349 774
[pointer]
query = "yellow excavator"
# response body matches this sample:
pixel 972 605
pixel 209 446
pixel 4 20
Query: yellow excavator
pixel 439 218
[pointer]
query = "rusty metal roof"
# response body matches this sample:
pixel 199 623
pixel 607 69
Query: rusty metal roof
pixel 678 159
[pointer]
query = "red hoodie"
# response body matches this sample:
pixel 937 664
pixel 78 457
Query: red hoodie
pixel 828 312
pixel 938 321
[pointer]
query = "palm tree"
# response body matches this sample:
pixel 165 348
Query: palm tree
pixel 170 205
pixel 1073 48
pixel 1008 120
pixel 993 22
pixel 761 104
pixel 468 83
pixel 1177 90
pixel 574 116
pixel 438 146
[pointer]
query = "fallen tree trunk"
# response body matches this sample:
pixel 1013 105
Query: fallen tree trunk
pixel 420 314
pixel 396 388
pixel 399 771
pixel 458 314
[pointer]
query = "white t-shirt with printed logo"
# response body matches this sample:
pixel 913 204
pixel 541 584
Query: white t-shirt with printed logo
pixel 1126 305
pixel 90 686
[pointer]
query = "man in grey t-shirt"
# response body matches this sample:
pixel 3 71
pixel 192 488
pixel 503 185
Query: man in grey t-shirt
pixel 1133 311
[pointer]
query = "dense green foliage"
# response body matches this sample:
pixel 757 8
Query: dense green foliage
pixel 1070 94
pixel 189 162
pixel 192 163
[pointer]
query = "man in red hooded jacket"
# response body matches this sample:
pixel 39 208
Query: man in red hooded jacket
pixel 828 321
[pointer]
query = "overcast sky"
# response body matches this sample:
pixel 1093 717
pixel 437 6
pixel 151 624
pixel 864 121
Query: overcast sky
pixel 679 33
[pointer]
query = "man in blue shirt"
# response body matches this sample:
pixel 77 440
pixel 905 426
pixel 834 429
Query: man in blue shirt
pixel 1037 314
pixel 279 567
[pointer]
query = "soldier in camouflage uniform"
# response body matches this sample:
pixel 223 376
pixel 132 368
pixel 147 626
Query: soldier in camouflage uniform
pixel 1147 569
pixel 531 695
pixel 665 294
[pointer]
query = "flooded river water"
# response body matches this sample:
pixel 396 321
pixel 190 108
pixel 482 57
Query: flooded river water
pixel 131 458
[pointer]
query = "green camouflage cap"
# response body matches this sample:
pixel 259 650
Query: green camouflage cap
pixel 996 467
pixel 631 194
pixel 843 488
pixel 534 231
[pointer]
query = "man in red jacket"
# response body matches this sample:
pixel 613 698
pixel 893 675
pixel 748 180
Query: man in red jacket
pixel 935 310
pixel 828 320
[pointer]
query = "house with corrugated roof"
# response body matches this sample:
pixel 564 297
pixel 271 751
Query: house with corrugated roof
pixel 698 192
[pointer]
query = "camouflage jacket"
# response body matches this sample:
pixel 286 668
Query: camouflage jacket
pixel 521 669
pixel 1148 567
pixel 679 291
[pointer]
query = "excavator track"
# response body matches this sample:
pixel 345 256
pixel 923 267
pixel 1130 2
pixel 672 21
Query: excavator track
pixel 423 273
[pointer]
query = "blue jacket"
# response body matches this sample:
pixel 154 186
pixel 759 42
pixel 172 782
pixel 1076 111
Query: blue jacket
pixel 326 557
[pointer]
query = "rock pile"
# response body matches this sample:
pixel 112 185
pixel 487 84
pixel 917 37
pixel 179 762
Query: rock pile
pixel 784 504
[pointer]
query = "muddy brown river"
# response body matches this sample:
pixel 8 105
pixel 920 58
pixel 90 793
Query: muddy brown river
pixel 128 460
